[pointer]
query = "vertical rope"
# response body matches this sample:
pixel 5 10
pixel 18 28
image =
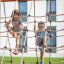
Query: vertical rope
pixel 6 42
pixel 30 8
pixel 0 21
pixel 24 42
pixel 49 8
pixel 7 33
pixel 23 48
pixel 35 29
pixel 15 4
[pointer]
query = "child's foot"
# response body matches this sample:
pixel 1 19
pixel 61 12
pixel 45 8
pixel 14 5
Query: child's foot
pixel 15 52
pixel 41 63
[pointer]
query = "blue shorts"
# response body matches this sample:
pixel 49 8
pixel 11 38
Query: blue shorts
pixel 39 42
pixel 41 49
pixel 17 30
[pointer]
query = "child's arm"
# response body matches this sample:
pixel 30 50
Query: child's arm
pixel 21 25
pixel 49 35
pixel 6 24
pixel 25 28
pixel 44 42
pixel 45 39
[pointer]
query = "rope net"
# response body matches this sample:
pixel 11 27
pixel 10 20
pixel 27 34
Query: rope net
pixel 29 48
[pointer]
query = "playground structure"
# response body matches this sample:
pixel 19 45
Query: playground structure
pixel 32 49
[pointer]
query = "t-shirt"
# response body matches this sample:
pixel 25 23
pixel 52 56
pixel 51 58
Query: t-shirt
pixel 16 25
pixel 40 36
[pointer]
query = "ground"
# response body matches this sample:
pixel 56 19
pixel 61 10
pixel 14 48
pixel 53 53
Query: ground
pixel 29 60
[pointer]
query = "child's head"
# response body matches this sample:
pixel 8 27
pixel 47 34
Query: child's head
pixel 41 25
pixel 15 14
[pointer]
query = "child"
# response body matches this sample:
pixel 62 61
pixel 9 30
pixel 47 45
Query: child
pixel 15 28
pixel 40 39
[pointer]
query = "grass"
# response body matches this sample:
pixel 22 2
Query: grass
pixel 29 60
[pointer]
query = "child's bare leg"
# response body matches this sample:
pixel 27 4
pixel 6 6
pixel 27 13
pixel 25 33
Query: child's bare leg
pixel 17 36
pixel 17 40
pixel 42 57
pixel 10 30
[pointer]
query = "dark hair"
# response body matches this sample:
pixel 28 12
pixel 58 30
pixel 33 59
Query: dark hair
pixel 15 12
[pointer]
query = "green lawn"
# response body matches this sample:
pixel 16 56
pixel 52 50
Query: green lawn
pixel 30 60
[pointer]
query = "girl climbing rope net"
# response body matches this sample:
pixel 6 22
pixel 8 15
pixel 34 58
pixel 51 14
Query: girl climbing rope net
pixel 14 26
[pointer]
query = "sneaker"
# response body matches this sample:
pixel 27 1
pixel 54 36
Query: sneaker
pixel 41 63
pixel 15 52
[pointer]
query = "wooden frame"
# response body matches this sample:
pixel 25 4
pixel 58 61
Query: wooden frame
pixel 15 0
